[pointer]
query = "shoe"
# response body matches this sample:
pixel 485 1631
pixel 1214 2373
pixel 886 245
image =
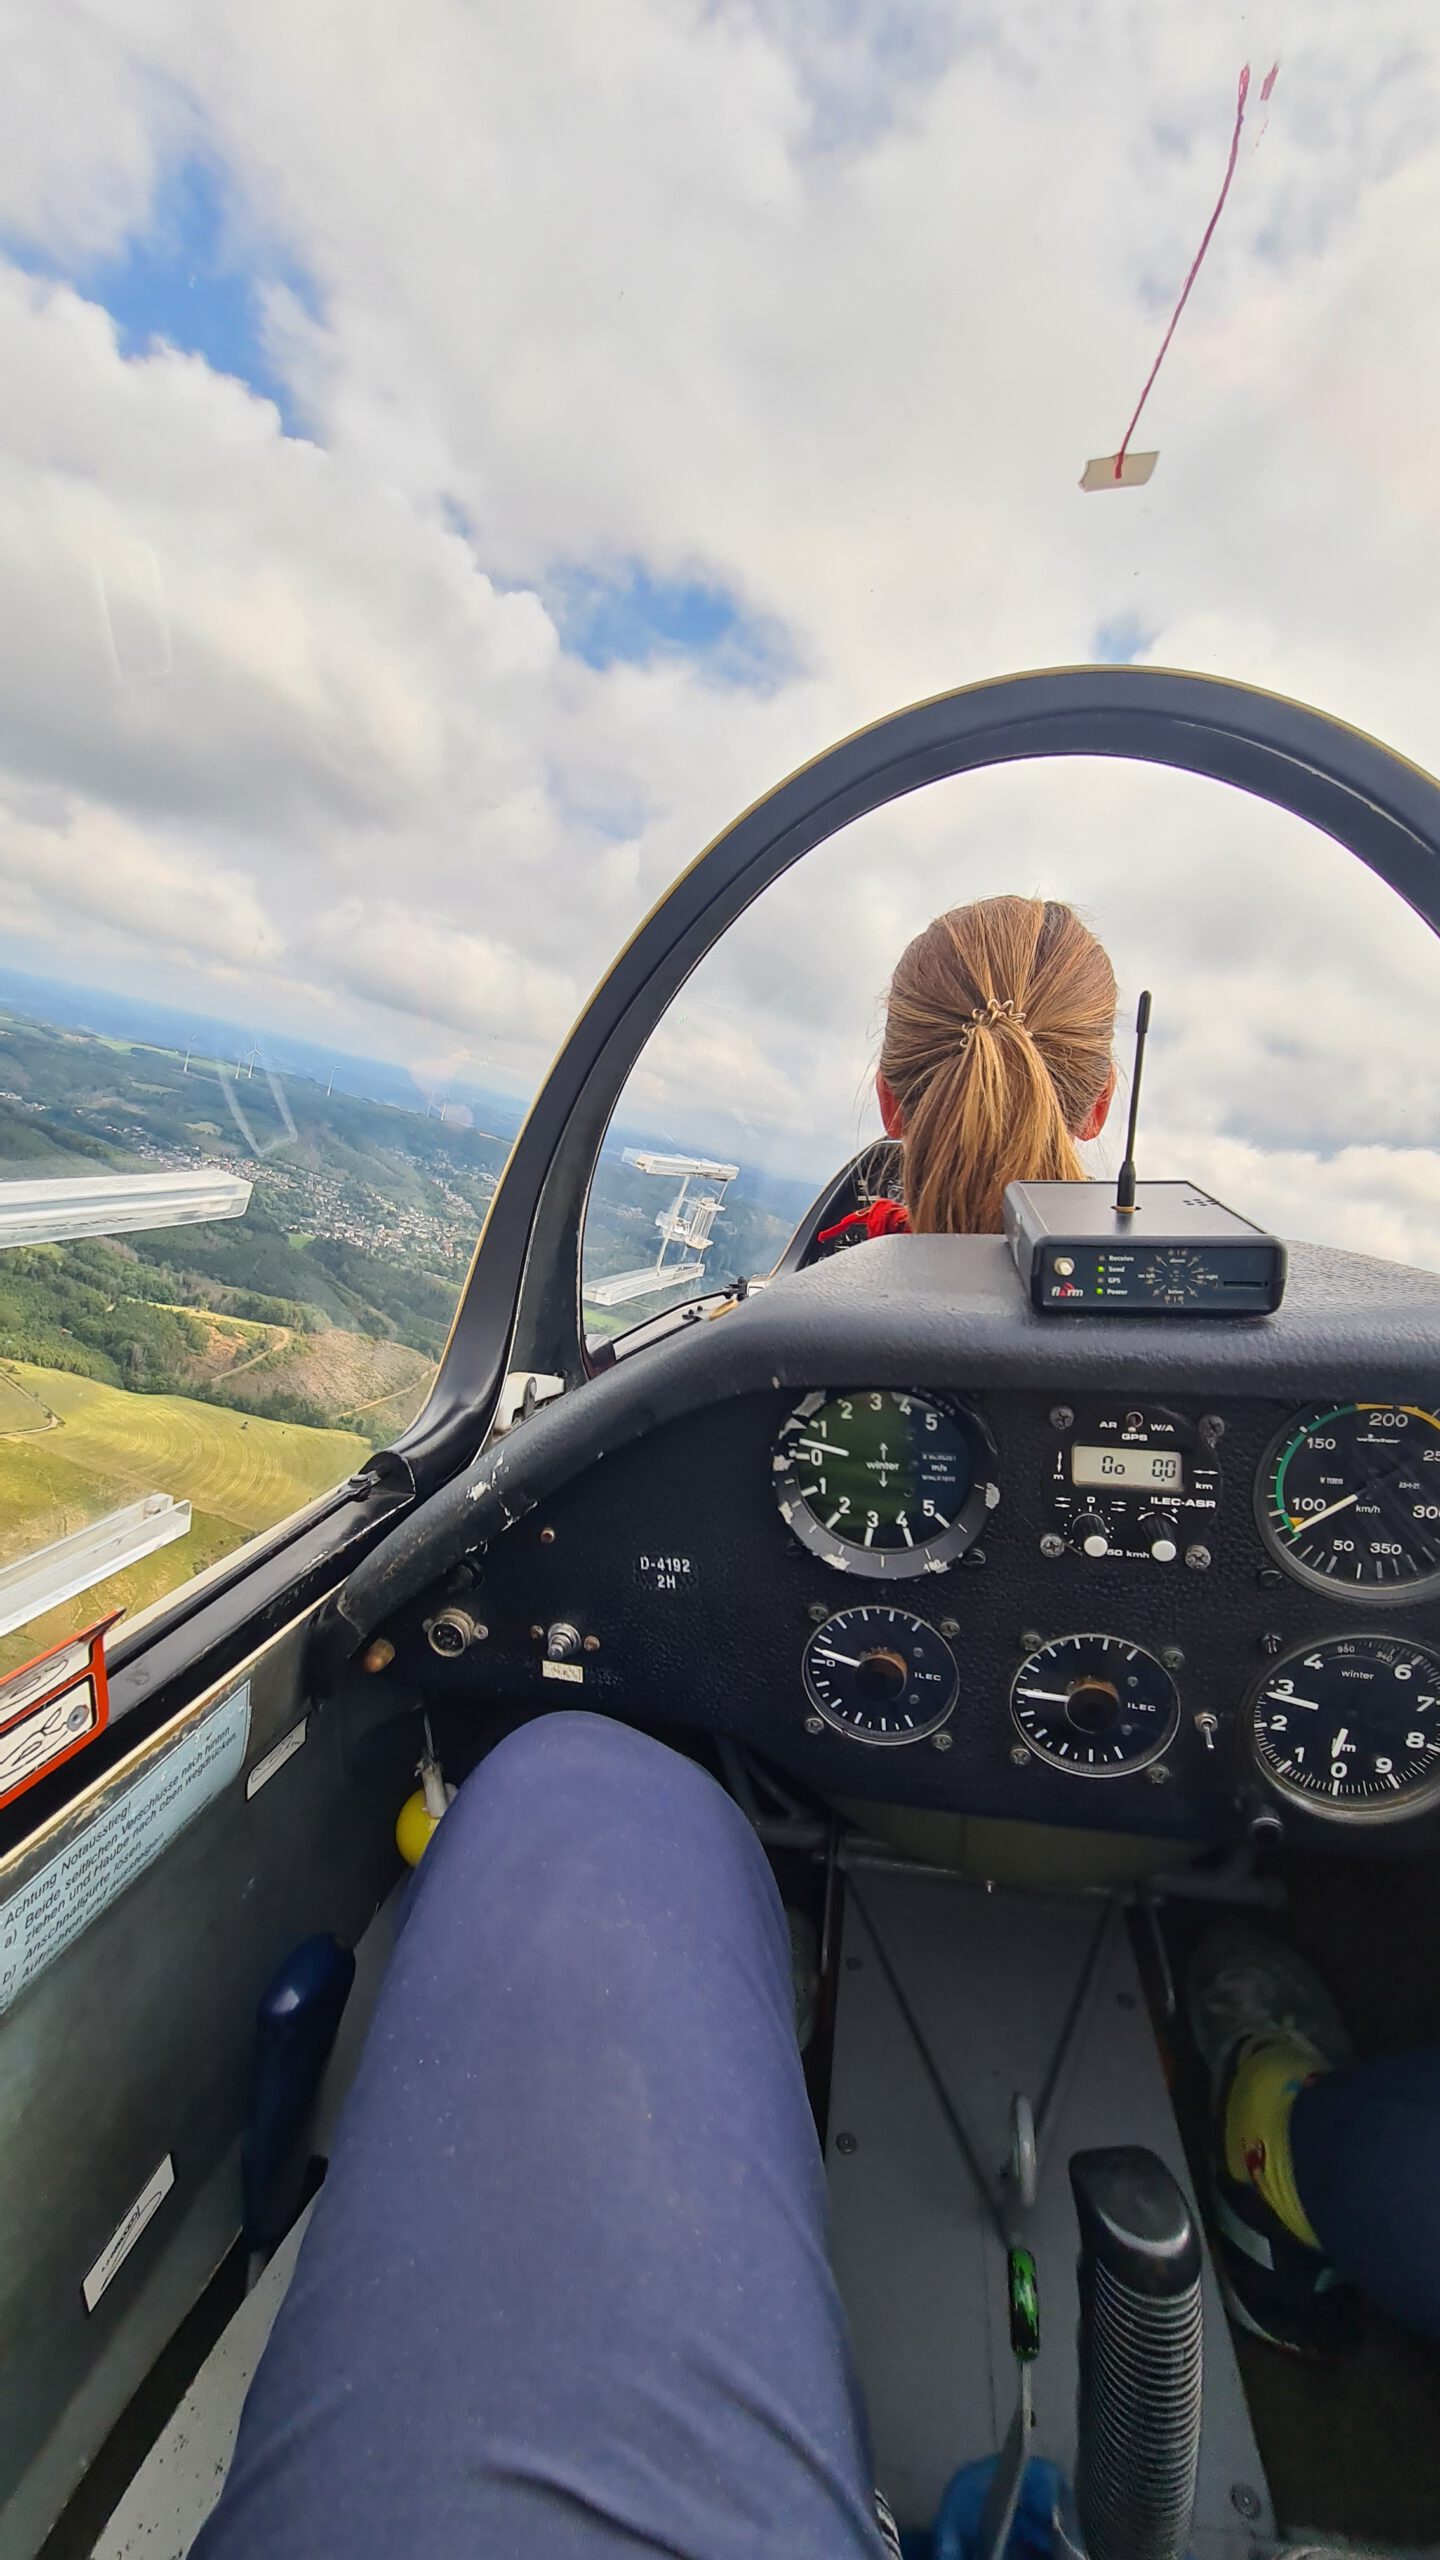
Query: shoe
pixel 889 2530
pixel 1246 1988
pixel 1244 1985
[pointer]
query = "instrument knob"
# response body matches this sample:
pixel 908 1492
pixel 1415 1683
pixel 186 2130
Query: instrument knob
pixel 1092 1534
pixel 1158 1531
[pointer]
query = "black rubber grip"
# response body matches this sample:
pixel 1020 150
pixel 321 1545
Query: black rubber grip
pixel 1138 2435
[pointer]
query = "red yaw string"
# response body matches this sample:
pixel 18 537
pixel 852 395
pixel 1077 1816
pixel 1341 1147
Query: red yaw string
pixel 1244 92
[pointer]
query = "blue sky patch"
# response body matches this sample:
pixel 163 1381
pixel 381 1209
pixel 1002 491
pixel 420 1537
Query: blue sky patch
pixel 1121 639
pixel 629 617
pixel 180 280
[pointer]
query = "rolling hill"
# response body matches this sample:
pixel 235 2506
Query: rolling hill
pixel 97 1447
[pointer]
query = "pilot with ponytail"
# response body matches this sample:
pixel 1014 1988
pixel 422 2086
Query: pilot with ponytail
pixel 995 1065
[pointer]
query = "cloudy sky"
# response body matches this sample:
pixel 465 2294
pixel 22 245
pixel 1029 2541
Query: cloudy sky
pixel 455 456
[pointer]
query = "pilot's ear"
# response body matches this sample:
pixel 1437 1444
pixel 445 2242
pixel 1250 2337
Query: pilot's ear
pixel 1099 1111
pixel 890 1111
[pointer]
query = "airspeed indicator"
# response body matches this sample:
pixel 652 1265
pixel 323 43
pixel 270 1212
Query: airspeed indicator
pixel 1349 1500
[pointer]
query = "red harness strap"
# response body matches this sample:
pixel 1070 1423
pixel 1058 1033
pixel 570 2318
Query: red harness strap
pixel 882 1218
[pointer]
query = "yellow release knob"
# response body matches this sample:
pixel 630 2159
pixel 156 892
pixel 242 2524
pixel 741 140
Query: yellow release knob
pixel 413 1828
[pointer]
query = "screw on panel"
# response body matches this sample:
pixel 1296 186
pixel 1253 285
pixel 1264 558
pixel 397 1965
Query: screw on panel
pixel 973 1555
pixel 1269 1577
pixel 943 1741
pixel 1158 1774
pixel 1052 1544
pixel 1172 1657
pixel 1212 1428
pixel 1030 1639
pixel 592 1644
pixel 1198 1559
pixel 847 2142
pixel 537 1635
pixel 1245 2501
pixel 1019 1755
pixel 1270 1642
pixel 547 1537
pixel 1061 1417
pixel 949 1626
pixel 814 1724
pixel 817 1613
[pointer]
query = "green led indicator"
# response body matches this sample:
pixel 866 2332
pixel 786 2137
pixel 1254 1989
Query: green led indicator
pixel 1024 2306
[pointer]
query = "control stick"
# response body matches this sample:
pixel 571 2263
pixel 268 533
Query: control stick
pixel 1138 2428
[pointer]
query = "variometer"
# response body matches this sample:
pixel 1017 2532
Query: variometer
pixel 880 1675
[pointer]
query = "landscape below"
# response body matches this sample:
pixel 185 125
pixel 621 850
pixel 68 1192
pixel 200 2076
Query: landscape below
pixel 249 1364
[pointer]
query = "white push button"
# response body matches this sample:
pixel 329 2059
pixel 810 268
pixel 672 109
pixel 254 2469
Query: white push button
pixel 1097 1544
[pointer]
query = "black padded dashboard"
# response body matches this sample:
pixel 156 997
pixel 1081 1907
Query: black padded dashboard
pixel 640 1511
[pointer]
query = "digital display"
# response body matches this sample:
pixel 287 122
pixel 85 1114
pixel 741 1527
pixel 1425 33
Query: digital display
pixel 1151 1470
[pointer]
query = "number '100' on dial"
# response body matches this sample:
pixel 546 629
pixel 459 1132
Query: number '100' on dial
pixel 882 1482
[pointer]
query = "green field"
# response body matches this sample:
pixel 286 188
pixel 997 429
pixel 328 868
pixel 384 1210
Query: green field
pixel 106 1447
pixel 19 1409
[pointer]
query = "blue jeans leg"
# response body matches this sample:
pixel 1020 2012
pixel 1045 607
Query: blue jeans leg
pixel 1366 2147
pixel 566 2292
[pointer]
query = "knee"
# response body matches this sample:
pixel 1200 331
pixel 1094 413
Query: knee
pixel 582 1774
pixel 580 1844
pixel 575 1751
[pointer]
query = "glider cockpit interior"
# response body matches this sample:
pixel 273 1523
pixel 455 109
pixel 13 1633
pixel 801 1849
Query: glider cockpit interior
pixel 1030 1635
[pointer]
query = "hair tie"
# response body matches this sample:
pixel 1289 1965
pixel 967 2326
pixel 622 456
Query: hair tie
pixel 997 1009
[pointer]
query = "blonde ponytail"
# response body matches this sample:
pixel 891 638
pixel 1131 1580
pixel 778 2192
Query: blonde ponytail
pixel 997 1046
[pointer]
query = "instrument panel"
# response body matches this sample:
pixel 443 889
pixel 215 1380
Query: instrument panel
pixel 1347 1499
pixel 1143 1616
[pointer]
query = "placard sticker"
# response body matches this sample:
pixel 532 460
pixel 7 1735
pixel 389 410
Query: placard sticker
pixel 49 1912
pixel 51 1707
pixel 285 1749
pixel 127 2231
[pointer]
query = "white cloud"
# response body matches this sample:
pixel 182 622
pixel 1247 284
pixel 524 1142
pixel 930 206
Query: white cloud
pixel 92 870
pixel 441 973
pixel 827 306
